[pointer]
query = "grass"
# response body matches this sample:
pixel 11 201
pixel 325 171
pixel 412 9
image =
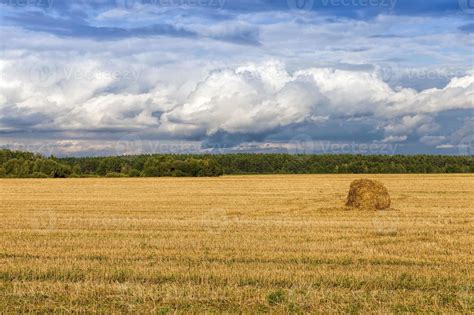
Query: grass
pixel 235 244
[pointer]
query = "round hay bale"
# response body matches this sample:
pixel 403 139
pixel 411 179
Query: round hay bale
pixel 368 194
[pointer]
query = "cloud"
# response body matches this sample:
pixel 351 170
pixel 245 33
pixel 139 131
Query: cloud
pixel 114 24
pixel 250 74
pixel 250 99
pixel 249 103
pixel 260 97
pixel 13 118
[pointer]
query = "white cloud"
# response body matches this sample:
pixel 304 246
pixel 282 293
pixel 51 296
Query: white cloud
pixel 305 71
pixel 256 98
pixel 250 99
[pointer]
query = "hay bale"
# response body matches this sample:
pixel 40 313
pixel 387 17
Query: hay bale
pixel 368 194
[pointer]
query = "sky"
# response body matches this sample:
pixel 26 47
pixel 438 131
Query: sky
pixel 118 77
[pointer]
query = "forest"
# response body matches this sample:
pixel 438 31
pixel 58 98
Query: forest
pixel 15 164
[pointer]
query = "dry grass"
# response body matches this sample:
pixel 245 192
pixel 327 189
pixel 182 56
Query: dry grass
pixel 251 244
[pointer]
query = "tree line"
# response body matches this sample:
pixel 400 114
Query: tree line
pixel 30 165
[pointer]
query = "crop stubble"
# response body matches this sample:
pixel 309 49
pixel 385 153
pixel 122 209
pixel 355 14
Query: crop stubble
pixel 235 243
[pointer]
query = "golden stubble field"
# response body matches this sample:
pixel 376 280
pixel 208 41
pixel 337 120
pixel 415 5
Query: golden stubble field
pixel 235 244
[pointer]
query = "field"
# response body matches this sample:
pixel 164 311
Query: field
pixel 235 244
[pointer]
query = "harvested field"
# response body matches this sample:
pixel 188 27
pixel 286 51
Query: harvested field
pixel 238 243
